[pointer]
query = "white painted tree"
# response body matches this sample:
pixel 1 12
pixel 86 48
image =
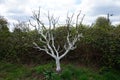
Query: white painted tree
pixel 48 37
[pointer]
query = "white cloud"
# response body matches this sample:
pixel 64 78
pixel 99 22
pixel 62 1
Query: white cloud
pixel 95 8
pixel 22 9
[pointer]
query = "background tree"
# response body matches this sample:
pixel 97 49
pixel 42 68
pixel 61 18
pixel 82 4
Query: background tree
pixel 4 37
pixel 21 40
pixel 3 24
pixel 102 22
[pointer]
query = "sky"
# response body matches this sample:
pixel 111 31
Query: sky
pixel 14 10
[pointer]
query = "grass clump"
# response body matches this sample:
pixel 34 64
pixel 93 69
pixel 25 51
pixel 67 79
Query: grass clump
pixel 10 71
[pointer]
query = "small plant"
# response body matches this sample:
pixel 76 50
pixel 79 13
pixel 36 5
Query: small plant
pixel 49 75
pixel 43 68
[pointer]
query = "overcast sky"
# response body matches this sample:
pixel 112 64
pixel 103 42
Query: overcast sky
pixel 21 10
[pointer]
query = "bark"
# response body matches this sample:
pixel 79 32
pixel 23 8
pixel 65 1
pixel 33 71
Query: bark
pixel 58 68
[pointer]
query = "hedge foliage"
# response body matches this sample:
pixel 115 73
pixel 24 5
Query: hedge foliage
pixel 100 44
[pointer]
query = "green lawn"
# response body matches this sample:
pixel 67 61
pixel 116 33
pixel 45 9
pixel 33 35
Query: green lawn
pixel 10 71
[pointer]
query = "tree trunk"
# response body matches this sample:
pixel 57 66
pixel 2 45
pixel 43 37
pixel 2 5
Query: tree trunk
pixel 58 68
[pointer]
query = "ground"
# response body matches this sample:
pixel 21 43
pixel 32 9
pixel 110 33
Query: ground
pixel 9 71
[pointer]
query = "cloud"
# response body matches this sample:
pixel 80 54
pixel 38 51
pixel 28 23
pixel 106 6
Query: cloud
pixel 96 8
pixel 106 9
pixel 2 1
pixel 15 10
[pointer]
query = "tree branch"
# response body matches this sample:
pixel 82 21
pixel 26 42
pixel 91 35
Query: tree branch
pixel 44 49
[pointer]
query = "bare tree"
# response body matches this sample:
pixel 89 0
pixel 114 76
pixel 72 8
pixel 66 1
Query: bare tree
pixel 21 26
pixel 48 37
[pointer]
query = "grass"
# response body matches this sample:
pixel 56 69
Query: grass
pixel 10 71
